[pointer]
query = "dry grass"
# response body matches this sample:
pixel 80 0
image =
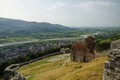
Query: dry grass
pixel 45 70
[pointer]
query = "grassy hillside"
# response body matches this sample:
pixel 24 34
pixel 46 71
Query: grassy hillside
pixel 59 67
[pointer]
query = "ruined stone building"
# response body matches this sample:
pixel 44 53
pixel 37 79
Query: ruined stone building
pixel 83 51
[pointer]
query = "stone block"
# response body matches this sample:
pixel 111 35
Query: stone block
pixel 112 67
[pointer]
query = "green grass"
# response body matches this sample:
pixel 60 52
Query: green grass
pixel 14 39
pixel 58 70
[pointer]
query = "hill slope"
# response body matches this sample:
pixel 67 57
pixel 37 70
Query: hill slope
pixel 24 27
pixel 60 68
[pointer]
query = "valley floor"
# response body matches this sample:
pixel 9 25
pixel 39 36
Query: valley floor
pixel 59 67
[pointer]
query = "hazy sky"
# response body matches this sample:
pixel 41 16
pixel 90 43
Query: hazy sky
pixel 65 12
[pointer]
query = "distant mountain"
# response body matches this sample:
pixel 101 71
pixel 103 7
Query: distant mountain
pixel 16 26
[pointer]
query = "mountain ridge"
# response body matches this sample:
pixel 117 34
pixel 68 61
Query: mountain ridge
pixel 16 27
pixel 16 24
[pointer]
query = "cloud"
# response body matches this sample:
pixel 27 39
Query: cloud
pixel 88 4
pixel 57 5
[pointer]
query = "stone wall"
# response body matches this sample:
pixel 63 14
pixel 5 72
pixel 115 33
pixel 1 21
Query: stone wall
pixel 79 56
pixel 13 51
pixel 112 66
pixel 65 50
pixel 11 73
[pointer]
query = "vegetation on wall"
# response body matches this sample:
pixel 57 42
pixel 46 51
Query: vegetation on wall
pixel 103 45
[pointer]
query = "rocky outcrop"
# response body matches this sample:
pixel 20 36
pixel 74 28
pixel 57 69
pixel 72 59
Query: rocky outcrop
pixel 112 66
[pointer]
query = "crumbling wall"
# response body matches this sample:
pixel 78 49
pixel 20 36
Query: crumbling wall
pixel 11 73
pixel 112 66
pixel 81 56
pixel 65 50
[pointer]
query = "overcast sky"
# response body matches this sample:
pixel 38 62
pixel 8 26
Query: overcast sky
pixel 65 12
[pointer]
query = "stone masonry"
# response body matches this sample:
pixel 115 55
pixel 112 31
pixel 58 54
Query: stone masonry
pixel 11 73
pixel 112 66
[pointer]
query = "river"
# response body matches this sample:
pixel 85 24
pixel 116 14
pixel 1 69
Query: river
pixel 31 41
pixel 38 40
